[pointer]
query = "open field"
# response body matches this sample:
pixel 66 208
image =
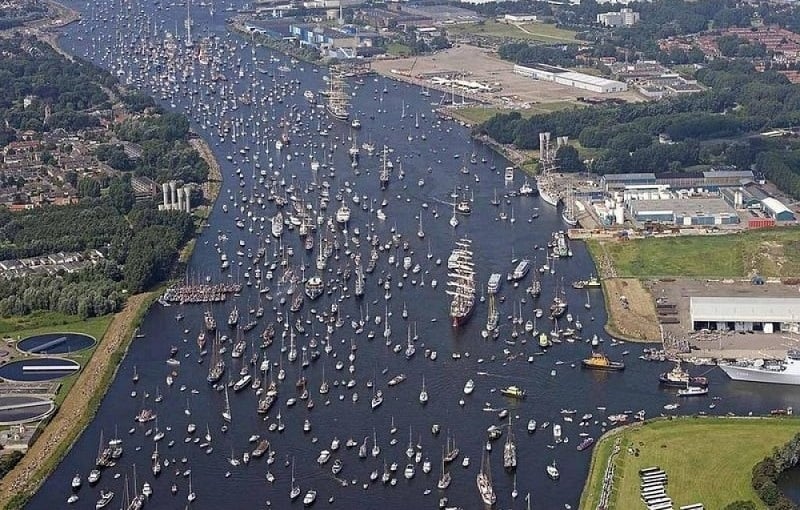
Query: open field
pixel 769 253
pixel 77 409
pixel 704 459
pixel 483 66
pixel 526 31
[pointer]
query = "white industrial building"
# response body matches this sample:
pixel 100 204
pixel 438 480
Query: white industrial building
pixel 762 314
pixel 623 18
pixel 569 78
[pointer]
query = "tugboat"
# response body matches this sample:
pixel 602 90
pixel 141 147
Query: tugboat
pixel 599 361
pixel 680 378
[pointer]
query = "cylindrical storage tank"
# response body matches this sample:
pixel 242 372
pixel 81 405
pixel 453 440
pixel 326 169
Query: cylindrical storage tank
pixel 619 215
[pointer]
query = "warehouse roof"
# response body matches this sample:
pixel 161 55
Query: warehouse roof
pixel 775 205
pixel 744 309
pixel 683 206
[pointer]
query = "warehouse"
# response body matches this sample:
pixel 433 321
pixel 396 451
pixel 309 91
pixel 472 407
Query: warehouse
pixel 776 210
pixel 683 211
pixel 767 315
pixel 569 78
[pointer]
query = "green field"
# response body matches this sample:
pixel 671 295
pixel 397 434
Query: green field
pixel 398 50
pixel 479 114
pixel 705 459
pixel 769 253
pixel 527 31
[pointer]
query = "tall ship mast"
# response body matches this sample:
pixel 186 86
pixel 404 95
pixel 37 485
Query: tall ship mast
pixel 461 285
pixel 338 102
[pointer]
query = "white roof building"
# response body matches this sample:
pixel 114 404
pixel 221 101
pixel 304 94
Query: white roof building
pixel 744 312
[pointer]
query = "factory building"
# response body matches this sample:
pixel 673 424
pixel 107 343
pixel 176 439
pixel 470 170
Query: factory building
pixel 776 210
pixel 683 211
pixel 767 315
pixel 569 78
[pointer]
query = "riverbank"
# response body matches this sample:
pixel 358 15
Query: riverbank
pixel 703 458
pixel 631 311
pixel 211 188
pixel 78 408
pixel 238 24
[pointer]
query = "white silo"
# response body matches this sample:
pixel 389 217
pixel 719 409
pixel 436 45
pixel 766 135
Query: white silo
pixel 179 206
pixel 619 214
pixel 188 202
pixel 173 187
pixel 165 192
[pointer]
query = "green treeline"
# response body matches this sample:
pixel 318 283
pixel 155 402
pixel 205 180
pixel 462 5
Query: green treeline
pixel 705 128
pixel 139 251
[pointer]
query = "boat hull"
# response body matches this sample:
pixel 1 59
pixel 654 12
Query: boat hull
pixel 752 374
pixel 461 319
pixel 615 366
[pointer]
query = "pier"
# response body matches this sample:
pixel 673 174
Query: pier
pixel 194 294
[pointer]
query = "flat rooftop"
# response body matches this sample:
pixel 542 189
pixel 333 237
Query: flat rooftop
pixel 683 206
pixel 744 309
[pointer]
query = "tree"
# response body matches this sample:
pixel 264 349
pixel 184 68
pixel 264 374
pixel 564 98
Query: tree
pixel 88 187
pixel 120 193
pixel 569 160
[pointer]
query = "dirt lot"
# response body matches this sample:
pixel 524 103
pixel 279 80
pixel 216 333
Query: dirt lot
pixel 631 310
pixel 478 64
pixel 721 345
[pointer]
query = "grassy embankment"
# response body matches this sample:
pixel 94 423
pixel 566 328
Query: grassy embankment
pixel 769 253
pixel 79 397
pixel 525 31
pixel 707 460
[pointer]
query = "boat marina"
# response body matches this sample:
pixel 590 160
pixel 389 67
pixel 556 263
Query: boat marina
pixel 338 364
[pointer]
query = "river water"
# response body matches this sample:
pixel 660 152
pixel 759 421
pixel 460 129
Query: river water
pixel 495 243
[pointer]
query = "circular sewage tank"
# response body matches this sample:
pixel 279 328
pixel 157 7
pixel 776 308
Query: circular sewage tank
pixel 23 408
pixel 38 369
pixel 55 343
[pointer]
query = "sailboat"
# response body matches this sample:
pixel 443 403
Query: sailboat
pixel 510 449
pixel 423 393
pixel 453 218
pixel 420 232
pixel 226 414
pixel 191 496
pixel 444 480
pixel 462 282
pixel 295 491
pixel 484 481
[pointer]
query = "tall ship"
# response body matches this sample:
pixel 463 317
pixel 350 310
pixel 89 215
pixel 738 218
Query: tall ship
pixel 462 282
pixel 510 450
pixel 385 171
pixel 545 184
pixel 786 371
pixel 569 214
pixel 338 103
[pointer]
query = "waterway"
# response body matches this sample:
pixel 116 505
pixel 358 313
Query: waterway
pixel 491 363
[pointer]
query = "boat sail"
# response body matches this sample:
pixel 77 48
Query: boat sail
pixel 338 103
pixel 462 282
pixel 545 182
pixel 569 214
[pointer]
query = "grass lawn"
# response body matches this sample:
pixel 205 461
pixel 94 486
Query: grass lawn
pixel 707 460
pixel 769 252
pixel 479 114
pixel 397 49
pixel 528 31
